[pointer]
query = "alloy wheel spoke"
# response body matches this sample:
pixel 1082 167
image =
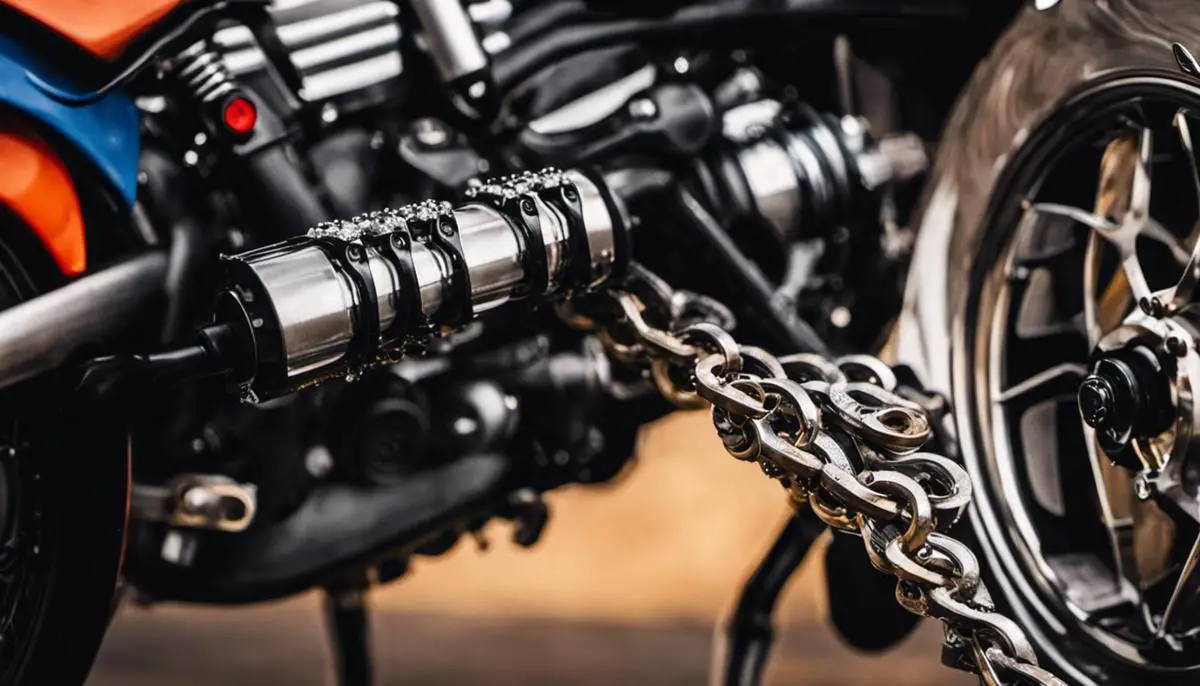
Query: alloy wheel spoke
pixel 1123 200
pixel 1059 381
pixel 1051 346
pixel 1181 294
pixel 1114 495
pixel 1187 587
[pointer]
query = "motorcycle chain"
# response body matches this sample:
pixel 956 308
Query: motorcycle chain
pixel 840 439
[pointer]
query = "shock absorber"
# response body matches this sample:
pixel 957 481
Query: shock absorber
pixel 202 72
pixel 355 293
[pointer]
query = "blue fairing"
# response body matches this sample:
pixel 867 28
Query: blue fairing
pixel 105 131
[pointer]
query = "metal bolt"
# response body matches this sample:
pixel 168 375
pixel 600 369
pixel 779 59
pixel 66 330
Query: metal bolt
pixel 1152 306
pixel 318 461
pixel 399 242
pixel 465 426
pixel 431 133
pixel 1097 401
pixel 840 317
pixel 1176 345
pixel 354 252
pixel 1142 485
pixel 329 113
pixel 570 194
pixel 643 108
pixel 527 206
pixel 446 228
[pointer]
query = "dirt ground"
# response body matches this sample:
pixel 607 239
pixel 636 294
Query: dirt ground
pixel 625 588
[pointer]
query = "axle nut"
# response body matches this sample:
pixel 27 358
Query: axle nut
pixel 1097 401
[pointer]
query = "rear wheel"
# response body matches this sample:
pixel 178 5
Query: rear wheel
pixel 1065 193
pixel 64 482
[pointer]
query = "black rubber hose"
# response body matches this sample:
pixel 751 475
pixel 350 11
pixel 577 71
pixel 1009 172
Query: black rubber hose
pixel 729 24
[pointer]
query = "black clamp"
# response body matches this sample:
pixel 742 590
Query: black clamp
pixel 350 255
pixel 434 223
pixel 517 197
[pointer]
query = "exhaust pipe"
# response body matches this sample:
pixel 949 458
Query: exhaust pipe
pixel 40 334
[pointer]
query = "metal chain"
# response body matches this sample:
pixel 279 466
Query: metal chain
pixel 840 439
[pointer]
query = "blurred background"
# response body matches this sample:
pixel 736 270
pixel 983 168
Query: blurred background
pixel 627 586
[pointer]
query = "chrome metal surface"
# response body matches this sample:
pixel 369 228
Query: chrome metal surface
pixel 388 287
pixel 450 38
pixel 197 501
pixel 599 224
pixel 493 255
pixel 433 271
pixel 490 12
pixel 337 48
pixel 311 286
pixel 747 122
pixel 554 238
pixel 40 334
pixel 314 303
pixel 595 106
pixel 776 190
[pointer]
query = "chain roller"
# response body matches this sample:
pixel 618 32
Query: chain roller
pixel 840 439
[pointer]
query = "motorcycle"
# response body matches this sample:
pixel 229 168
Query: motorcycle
pixel 285 304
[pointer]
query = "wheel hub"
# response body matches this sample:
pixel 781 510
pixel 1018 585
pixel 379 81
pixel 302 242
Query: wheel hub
pixel 1137 396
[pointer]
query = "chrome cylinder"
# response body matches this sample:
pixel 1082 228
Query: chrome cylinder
pixel 450 38
pixel 493 253
pixel 314 303
pixel 355 292
pixel 774 187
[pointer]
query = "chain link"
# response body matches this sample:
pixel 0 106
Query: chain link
pixel 840 439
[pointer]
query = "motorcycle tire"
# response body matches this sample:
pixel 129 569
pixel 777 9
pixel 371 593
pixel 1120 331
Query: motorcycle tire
pixel 1014 102
pixel 64 486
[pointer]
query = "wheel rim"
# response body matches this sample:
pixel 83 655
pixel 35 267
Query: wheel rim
pixel 1056 519
pixel 20 510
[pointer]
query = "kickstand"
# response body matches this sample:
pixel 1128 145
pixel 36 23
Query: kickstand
pixel 347 620
pixel 741 653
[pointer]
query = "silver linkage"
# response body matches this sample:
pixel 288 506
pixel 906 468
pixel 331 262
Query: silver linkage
pixel 841 440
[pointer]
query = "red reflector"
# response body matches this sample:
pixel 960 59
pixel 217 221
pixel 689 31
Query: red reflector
pixel 240 115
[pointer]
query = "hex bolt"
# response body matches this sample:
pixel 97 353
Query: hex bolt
pixel 643 108
pixel 1142 486
pixel 1176 345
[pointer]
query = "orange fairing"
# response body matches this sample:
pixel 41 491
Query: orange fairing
pixel 103 27
pixel 35 185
